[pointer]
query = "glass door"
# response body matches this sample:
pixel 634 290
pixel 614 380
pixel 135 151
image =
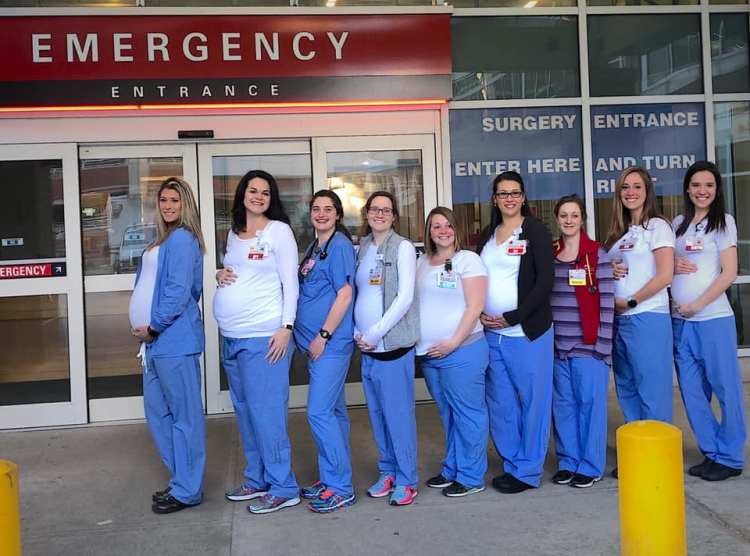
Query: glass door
pixel 42 370
pixel 118 186
pixel 355 167
pixel 221 167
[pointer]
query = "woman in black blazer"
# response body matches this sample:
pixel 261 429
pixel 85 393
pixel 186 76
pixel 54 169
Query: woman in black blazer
pixel 517 250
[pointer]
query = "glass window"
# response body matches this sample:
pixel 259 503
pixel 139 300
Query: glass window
pixel 492 58
pixel 665 139
pixel 113 369
pixel 118 210
pixel 739 298
pixel 730 63
pixel 640 2
pixel 35 366
pixel 293 173
pixel 512 3
pixel 733 157
pixel 740 2
pixel 32 216
pixel 644 54
pixel 354 175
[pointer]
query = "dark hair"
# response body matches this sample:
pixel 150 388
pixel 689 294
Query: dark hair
pixel 716 218
pixel 571 199
pixel 275 210
pixel 496 217
pixel 366 208
pixel 328 194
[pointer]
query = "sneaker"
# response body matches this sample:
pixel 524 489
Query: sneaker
pixel 583 481
pixel 383 487
pixel 697 470
pixel 438 481
pixel 456 489
pixel 719 472
pixel 402 496
pixel 510 485
pixel 243 492
pixel 313 491
pixel 562 477
pixel 269 503
pixel 329 502
pixel 161 494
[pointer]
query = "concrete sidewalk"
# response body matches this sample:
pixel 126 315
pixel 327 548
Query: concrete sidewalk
pixel 87 491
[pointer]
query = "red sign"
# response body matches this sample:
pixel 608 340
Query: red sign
pixel 223 58
pixel 41 270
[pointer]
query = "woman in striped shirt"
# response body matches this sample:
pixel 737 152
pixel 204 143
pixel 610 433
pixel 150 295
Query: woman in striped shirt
pixel 582 312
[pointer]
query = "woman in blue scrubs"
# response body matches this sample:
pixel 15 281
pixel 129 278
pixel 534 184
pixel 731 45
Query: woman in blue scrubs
pixel 641 242
pixel 705 336
pixel 516 248
pixel 324 331
pixel 164 315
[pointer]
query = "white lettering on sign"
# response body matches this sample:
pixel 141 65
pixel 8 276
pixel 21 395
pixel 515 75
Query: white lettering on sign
pixel 652 119
pixel 25 271
pixel 486 168
pixel 200 54
pixel 228 45
pixel 37 47
pixel 157 42
pixel 261 43
pixel 90 47
pixel 296 49
pixel 502 124
pixel 649 162
pixel 553 165
pixel 12 241
pixel 338 44
pixel 121 47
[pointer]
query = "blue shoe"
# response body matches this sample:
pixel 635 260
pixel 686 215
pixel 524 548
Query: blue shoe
pixel 403 496
pixel 313 491
pixel 243 492
pixel 329 502
pixel 383 487
pixel 270 503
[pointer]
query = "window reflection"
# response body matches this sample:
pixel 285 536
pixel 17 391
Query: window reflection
pixel 118 210
pixel 730 62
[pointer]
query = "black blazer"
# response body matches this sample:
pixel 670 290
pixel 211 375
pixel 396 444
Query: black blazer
pixel 535 278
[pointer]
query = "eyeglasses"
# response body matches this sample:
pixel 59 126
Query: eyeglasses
pixel 375 211
pixel 506 194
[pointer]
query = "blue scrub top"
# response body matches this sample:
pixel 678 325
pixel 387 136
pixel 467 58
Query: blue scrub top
pixel 317 292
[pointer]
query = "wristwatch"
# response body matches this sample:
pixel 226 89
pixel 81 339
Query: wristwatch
pixel 153 333
pixel 324 334
pixel 289 326
pixel 632 303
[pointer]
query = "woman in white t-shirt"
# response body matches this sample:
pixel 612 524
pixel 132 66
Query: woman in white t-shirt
pixel 451 285
pixel 255 306
pixel 642 242
pixel 705 334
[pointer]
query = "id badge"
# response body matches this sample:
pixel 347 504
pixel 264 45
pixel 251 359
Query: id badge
pixel 627 245
pixel 693 245
pixel 307 267
pixel 577 277
pixel 516 247
pixel 376 276
pixel 447 280
pixel 258 252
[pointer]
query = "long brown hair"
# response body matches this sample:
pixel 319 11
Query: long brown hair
pixel 621 216
pixel 429 246
pixel 189 218
pixel 388 195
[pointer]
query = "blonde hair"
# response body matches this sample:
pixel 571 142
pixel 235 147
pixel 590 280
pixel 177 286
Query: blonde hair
pixel 621 216
pixel 189 218
pixel 429 245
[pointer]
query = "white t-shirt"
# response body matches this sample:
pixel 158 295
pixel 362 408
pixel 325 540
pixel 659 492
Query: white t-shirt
pixel 636 249
pixel 143 294
pixel 705 249
pixel 502 283
pixel 441 302
pixel 369 319
pixel 264 296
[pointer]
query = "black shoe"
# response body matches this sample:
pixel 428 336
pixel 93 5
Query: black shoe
pixel 562 477
pixel 169 504
pixel 511 485
pixel 614 473
pixel 501 481
pixel 159 495
pixel 456 489
pixel 583 481
pixel 719 472
pixel 697 470
pixel 438 481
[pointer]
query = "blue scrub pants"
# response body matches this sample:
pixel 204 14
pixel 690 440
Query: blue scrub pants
pixel 579 414
pixel 705 355
pixel 389 390
pixel 260 394
pixel 329 422
pixel 519 399
pixel 174 413
pixel 456 383
pixel 642 363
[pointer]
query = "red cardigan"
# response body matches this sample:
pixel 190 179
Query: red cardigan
pixel 588 295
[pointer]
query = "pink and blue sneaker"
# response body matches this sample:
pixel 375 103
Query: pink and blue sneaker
pixel 383 487
pixel 313 491
pixel 329 502
pixel 403 496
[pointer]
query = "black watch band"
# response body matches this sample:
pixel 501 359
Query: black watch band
pixel 324 334
pixel 289 326
pixel 632 303
pixel 153 333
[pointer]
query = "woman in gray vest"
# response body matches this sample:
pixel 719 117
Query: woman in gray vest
pixel 386 321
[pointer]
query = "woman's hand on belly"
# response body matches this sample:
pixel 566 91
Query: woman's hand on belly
pixel 442 349
pixel 225 277
pixel 493 323
pixel 141 332
pixel 683 265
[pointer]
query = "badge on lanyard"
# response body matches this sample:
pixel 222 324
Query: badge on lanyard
pixel 577 277
pixel 259 249
pixel 516 246
pixel 693 245
pixel 307 267
pixel 627 244
pixel 447 280
pixel 376 274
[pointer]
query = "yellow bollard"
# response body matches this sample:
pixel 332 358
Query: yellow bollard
pixel 10 510
pixel 652 490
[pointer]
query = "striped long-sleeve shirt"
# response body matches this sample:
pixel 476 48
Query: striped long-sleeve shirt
pixel 567 318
